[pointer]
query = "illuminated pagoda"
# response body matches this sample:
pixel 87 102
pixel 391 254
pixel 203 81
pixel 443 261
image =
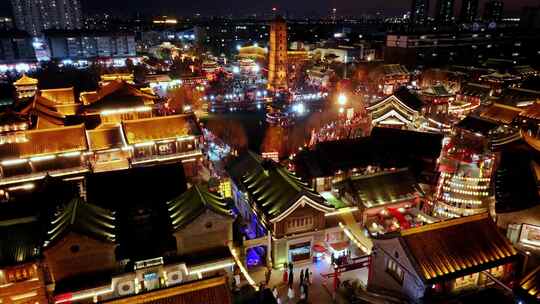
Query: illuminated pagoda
pixel 285 216
pixel 12 125
pixel 451 257
pixel 401 110
pixel 277 56
pixel 25 87
pixel 466 166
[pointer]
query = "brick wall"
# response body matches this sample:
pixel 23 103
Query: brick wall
pixel 76 254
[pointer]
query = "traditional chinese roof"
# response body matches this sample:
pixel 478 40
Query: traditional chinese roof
pixel 25 81
pixel 83 218
pixel 59 96
pixel 383 148
pixel 394 69
pixel 403 105
pixel 438 90
pixel 476 125
pixel 47 141
pixel 475 89
pixel 456 247
pixel 500 113
pixel 191 204
pixel 160 128
pixel 530 284
pixel 524 70
pixel 104 138
pixel 19 240
pixel 116 95
pixel 272 188
pixel 519 97
pixel 383 188
pixel 532 111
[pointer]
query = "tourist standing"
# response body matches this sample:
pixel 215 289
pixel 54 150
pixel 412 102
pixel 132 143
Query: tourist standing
pixel 291 278
pixel 301 277
pixel 285 273
pixel 306 276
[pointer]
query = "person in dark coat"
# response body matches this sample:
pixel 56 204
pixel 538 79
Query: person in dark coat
pixel 301 277
pixel 291 278
pixel 306 276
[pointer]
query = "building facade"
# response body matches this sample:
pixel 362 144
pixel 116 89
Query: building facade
pixel 419 11
pixel 35 16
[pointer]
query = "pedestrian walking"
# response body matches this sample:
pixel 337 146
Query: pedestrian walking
pixel 301 277
pixel 291 278
pixel 285 275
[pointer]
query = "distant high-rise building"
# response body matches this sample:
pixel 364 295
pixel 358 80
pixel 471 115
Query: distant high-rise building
pixel 469 10
pixel 419 11
pixel 493 10
pixel 35 16
pixel 445 11
pixel 277 58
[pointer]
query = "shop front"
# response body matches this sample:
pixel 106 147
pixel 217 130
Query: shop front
pixel 300 250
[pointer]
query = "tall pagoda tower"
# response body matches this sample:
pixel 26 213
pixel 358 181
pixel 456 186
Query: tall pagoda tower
pixel 277 61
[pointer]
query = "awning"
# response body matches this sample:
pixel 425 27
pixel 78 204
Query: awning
pixel 339 246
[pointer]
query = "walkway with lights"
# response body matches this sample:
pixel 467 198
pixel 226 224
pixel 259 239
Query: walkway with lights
pixel 354 232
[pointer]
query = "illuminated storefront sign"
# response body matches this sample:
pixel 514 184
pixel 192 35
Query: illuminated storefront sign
pixel 530 235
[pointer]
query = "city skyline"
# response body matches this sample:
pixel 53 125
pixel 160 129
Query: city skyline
pixel 243 7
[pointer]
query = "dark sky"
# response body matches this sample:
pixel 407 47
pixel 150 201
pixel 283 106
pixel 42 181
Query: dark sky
pixel 187 7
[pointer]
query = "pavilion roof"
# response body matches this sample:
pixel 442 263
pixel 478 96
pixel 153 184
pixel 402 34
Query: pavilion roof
pixel 115 95
pixel 475 89
pixel 191 204
pixel 47 141
pixel 476 125
pixel 500 113
pixel 456 247
pixel 19 240
pixel 383 188
pixel 532 111
pixel 271 187
pixel 531 283
pixel 160 128
pixel 25 80
pixel 83 218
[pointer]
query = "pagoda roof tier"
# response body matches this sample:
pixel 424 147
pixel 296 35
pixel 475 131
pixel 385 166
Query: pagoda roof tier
pixel 456 247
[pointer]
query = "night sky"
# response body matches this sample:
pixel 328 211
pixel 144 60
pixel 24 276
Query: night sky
pixel 215 7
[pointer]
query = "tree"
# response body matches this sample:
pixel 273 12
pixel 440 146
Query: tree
pixel 231 132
